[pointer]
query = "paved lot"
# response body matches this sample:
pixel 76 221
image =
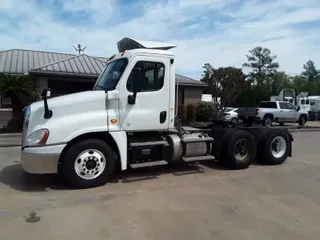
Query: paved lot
pixel 193 202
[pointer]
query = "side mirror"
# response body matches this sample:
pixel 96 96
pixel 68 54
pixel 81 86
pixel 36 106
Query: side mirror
pixel 135 84
pixel 45 94
pixel 136 80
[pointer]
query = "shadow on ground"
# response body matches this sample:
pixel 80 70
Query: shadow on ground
pixel 14 176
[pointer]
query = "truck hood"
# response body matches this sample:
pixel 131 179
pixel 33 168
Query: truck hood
pixel 69 99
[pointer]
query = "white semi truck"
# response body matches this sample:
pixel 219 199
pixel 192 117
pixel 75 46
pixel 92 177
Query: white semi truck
pixel 129 120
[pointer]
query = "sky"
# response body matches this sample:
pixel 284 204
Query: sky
pixel 220 32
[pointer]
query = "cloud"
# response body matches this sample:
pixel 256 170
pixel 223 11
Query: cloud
pixel 217 31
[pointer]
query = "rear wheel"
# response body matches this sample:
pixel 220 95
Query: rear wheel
pixel 234 121
pixel 88 163
pixel 239 150
pixel 302 121
pixel 274 146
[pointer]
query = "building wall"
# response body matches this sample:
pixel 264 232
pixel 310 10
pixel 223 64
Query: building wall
pixel 42 83
pixel 192 95
pixel 186 95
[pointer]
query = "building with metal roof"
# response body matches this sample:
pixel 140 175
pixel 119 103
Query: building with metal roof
pixel 67 73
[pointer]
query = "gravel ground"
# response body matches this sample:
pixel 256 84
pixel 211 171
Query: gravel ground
pixel 196 201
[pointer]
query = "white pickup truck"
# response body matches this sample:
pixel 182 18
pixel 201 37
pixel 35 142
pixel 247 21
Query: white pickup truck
pixel 280 112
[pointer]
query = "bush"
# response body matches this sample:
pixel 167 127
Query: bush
pixel 205 111
pixel 190 113
pixel 182 113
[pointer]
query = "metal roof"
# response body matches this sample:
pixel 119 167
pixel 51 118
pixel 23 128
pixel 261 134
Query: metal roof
pixel 19 61
pixel 182 80
pixel 76 65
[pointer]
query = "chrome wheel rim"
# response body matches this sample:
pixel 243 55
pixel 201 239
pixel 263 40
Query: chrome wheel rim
pixel 241 149
pixel 90 164
pixel 268 122
pixel 234 121
pixel 278 147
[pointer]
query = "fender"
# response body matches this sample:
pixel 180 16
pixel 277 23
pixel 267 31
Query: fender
pixel 120 138
pixel 117 140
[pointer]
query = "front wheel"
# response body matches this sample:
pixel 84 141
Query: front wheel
pixel 88 163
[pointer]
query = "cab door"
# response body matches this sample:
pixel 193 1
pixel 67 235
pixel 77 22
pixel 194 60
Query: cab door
pixel 294 113
pixel 284 112
pixel 150 112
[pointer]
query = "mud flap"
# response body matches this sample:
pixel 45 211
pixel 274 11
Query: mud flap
pixel 292 139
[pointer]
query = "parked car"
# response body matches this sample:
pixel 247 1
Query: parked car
pixel 280 112
pixel 230 115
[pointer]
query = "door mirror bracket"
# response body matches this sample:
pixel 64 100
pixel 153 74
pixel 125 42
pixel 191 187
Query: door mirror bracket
pixel 135 85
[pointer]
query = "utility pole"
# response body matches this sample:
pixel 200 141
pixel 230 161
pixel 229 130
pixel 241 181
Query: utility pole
pixel 79 49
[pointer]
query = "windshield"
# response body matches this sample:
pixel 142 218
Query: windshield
pixel 111 75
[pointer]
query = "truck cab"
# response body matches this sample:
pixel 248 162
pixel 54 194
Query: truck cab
pixel 132 105
pixel 129 120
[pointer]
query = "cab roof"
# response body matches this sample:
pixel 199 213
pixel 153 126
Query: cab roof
pixel 130 43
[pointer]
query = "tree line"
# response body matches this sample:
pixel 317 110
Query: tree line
pixel 263 80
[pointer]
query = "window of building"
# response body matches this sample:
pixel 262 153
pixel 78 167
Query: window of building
pixel 5 101
pixel 152 76
pixel 63 87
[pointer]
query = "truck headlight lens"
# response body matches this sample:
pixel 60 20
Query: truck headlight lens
pixel 38 137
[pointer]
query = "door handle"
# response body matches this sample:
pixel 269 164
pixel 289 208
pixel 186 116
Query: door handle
pixel 281 111
pixel 163 116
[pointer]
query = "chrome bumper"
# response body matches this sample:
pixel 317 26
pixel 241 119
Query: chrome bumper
pixel 41 160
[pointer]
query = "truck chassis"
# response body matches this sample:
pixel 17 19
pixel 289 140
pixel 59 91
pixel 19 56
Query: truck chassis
pixel 234 147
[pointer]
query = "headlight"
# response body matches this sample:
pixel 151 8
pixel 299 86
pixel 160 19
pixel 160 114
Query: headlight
pixel 38 137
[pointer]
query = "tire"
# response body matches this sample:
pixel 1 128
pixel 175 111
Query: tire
pixel 258 132
pixel 302 121
pixel 223 136
pixel 232 148
pixel 281 123
pixel 267 121
pixel 234 121
pixel 92 155
pixel 267 153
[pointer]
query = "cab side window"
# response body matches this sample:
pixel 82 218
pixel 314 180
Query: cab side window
pixel 283 105
pixel 152 76
pixel 290 106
